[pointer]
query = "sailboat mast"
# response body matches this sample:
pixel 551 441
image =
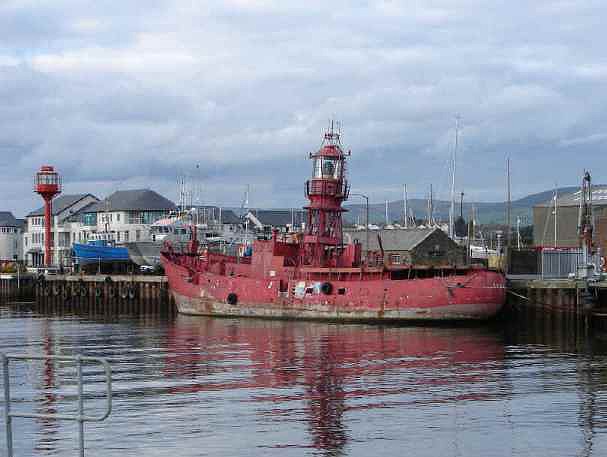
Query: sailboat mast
pixel 405 215
pixel 508 203
pixel 556 209
pixel 453 169
pixel 387 219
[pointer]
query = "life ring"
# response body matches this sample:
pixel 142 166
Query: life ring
pixel 326 288
pixel 83 291
pixel 56 290
pixel 232 298
pixel 111 292
pixel 98 292
pixel 131 293
pixel 124 293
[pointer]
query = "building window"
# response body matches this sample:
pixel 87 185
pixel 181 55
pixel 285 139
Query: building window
pixel 395 259
pixel 137 235
pixel 126 235
pixel 118 236
pixel 89 219
pixel 118 217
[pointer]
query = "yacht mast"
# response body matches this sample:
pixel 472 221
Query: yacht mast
pixel 556 208
pixel 405 211
pixel 453 169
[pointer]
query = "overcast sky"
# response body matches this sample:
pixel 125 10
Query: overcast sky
pixel 122 95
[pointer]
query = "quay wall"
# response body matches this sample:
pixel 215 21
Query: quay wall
pixel 559 299
pixel 104 294
pixel 13 288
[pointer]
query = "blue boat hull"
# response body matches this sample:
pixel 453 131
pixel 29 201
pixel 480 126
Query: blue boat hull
pixel 90 253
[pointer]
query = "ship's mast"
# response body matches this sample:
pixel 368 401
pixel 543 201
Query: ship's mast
pixel 328 188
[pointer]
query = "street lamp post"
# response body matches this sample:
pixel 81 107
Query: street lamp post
pixel 366 224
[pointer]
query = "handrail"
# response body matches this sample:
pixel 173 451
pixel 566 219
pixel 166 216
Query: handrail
pixel 80 417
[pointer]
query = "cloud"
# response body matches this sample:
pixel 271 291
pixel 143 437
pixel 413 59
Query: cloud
pixel 133 94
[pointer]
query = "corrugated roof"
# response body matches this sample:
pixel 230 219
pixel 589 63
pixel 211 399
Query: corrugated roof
pixel 133 200
pixel 279 218
pixel 599 198
pixel 392 240
pixel 7 219
pixel 61 203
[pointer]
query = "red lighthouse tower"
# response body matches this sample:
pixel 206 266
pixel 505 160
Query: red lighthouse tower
pixel 48 185
pixel 328 188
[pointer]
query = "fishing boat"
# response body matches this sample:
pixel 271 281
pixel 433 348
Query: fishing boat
pixel 100 248
pixel 315 275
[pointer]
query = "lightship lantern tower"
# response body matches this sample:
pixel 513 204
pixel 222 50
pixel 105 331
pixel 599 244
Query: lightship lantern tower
pixel 328 188
pixel 48 185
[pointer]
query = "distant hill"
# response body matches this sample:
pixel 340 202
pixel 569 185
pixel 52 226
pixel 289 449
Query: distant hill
pixel 486 212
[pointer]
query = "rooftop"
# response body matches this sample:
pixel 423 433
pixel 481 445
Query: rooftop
pixel 599 198
pixel 61 203
pixel 133 200
pixel 279 217
pixel 7 219
pixel 392 240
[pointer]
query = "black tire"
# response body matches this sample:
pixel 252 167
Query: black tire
pixel 326 288
pixel 108 279
pixel 232 298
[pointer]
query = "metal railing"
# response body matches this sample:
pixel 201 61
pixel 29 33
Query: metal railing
pixel 81 418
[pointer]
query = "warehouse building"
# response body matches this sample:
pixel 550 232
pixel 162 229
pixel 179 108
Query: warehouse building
pixel 557 225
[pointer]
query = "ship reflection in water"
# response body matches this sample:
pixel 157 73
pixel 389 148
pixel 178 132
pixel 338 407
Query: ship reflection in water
pixel 203 386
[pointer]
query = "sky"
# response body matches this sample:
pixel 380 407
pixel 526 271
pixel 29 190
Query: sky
pixel 124 95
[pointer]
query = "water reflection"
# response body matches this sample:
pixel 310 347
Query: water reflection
pixel 338 368
pixel 191 386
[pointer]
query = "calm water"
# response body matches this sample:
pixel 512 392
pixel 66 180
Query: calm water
pixel 191 386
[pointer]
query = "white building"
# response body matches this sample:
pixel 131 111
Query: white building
pixel 10 238
pixel 65 207
pixel 126 214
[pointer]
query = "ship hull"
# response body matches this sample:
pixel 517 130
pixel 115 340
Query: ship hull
pixel 478 295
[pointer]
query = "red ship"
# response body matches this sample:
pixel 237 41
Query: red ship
pixel 314 275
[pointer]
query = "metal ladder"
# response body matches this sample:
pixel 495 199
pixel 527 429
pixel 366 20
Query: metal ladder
pixel 81 418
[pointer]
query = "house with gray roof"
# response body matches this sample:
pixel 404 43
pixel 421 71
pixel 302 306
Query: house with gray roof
pixel 402 247
pixel 10 237
pixel 126 214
